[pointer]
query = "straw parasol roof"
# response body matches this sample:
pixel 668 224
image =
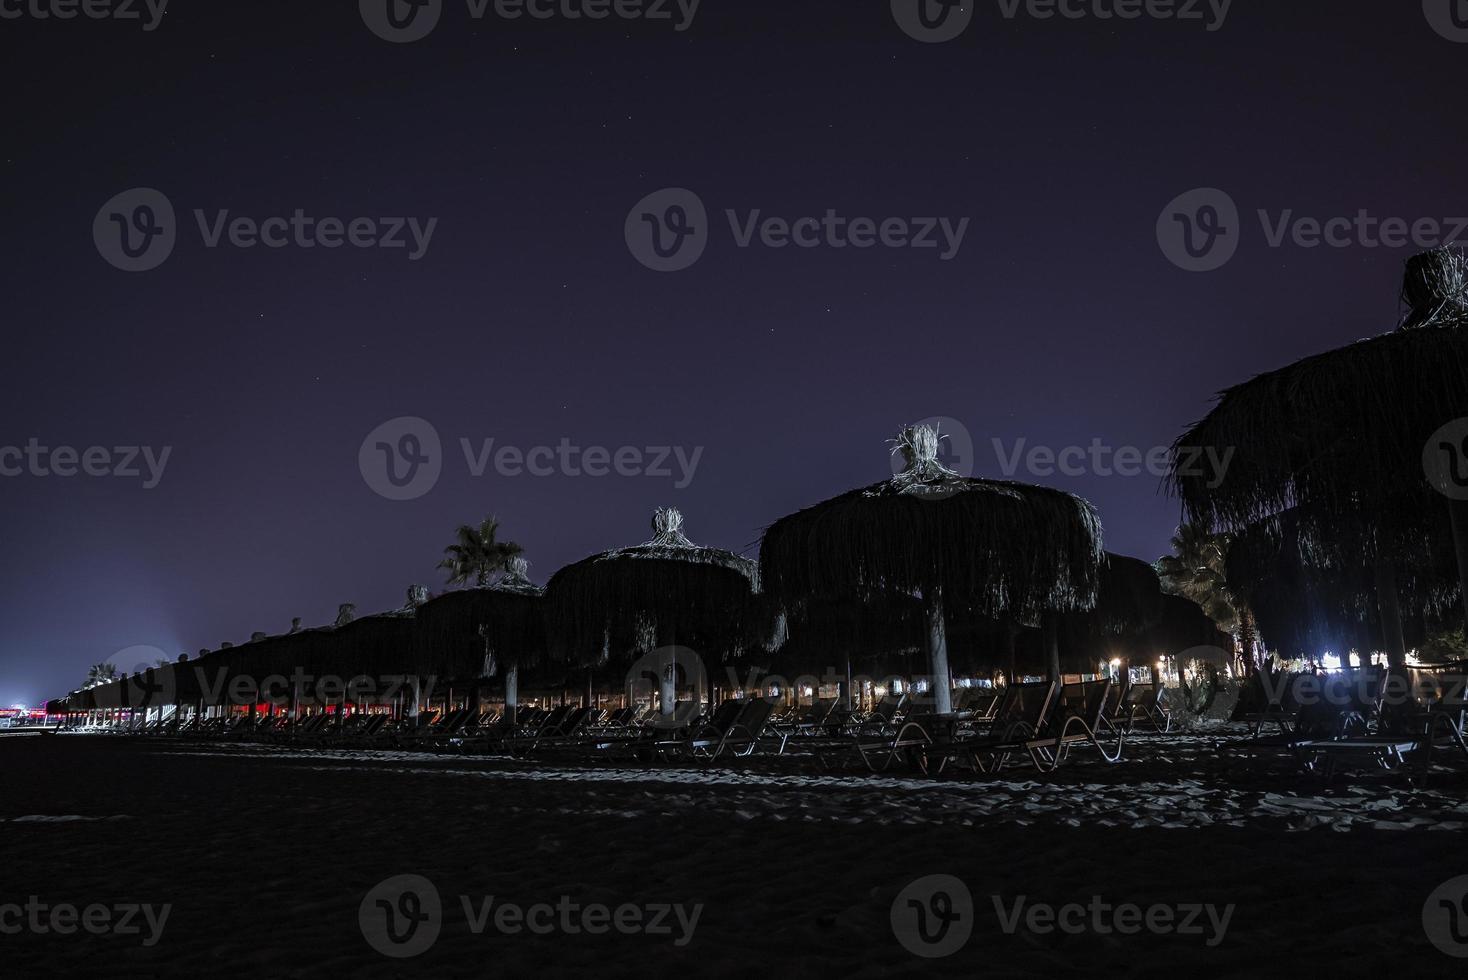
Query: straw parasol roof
pixel 1129 601
pixel 1342 434
pixel 965 546
pixel 619 604
pixel 457 630
pixel 1310 594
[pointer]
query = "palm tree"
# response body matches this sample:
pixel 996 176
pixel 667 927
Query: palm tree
pixel 1198 570
pixel 477 554
pixel 101 674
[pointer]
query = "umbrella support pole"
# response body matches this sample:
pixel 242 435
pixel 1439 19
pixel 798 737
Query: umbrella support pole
pixel 1051 629
pixel 668 688
pixel 1459 511
pixel 1389 602
pixel 512 691
pixel 938 654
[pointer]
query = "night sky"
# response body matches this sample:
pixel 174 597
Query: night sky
pixel 529 321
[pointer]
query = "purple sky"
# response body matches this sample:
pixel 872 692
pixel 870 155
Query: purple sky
pixel 1060 321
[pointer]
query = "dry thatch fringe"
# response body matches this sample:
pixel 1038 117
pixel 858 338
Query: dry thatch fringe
pixel 1343 430
pixel 507 618
pixel 882 635
pixel 993 548
pixel 620 604
pixel 1302 576
pixel 1183 625
pixel 1435 289
pixel 1128 603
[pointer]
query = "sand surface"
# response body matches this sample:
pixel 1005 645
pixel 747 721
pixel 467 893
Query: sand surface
pixel 266 853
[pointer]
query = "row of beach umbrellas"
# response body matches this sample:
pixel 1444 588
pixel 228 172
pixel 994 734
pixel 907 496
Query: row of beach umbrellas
pixel 881 578
pixel 1339 539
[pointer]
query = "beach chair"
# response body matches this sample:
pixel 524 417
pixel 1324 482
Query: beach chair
pixel 1409 750
pixel 710 730
pixel 1281 707
pixel 642 741
pixel 928 742
pixel 440 732
pixel 740 739
pixel 559 728
pixel 1146 704
pixel 869 738
pixel 977 705
pixel 1406 737
pixel 1082 721
pixel 362 730
pixel 1019 722
pixel 814 719
pixel 1326 711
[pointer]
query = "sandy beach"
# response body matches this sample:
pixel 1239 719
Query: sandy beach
pixel 265 855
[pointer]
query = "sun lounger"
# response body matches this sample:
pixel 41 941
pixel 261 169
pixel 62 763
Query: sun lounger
pixel 977 705
pixel 1405 739
pixel 1018 728
pixel 750 728
pixel 1081 721
pixel 1145 704
pixel 815 719
pixel 438 733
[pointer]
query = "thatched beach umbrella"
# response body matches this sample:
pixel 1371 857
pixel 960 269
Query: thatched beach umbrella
pixel 1311 594
pixel 1129 601
pixel 963 546
pixel 1343 433
pixel 471 634
pixel 666 592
